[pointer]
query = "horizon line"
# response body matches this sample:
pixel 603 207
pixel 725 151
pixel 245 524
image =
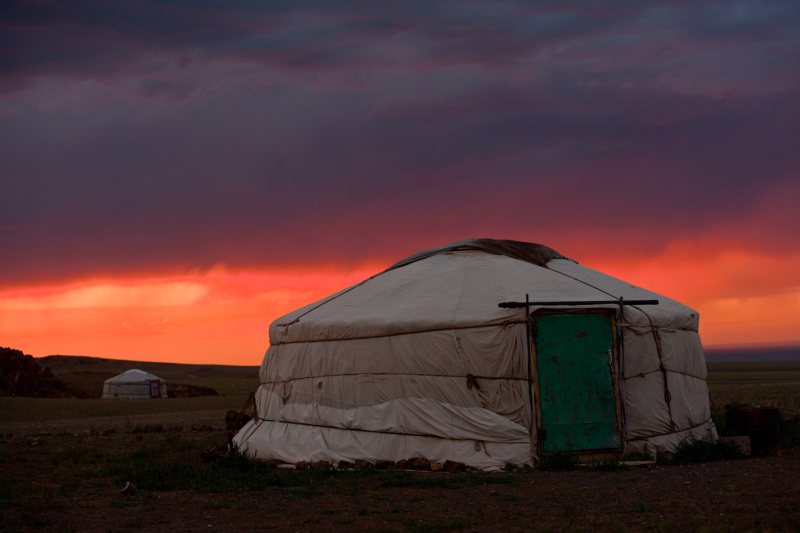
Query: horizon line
pixel 714 347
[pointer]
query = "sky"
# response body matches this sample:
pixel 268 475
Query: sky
pixel 176 175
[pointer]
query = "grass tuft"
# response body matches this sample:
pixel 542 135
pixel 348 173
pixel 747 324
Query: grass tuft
pixel 790 433
pixel 405 480
pixel 558 462
pixel 638 456
pixel 444 481
pixel 700 451
pixel 607 466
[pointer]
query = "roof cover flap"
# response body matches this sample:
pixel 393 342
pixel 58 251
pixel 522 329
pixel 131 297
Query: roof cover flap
pixel 133 375
pixel 537 254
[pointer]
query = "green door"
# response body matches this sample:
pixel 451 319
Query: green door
pixel 577 404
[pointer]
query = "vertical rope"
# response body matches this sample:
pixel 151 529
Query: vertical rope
pixel 662 368
pixel 621 365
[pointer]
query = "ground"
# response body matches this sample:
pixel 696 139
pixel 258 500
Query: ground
pixel 63 463
pixel 72 482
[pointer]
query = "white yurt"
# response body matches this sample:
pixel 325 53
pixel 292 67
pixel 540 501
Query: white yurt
pixel 134 385
pixel 484 352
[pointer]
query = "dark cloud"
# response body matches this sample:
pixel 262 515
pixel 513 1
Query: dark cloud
pixel 95 38
pixel 142 137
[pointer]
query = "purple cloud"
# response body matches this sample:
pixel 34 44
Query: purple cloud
pixel 143 137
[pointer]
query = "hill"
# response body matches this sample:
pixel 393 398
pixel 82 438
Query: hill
pixel 84 376
pixel 752 354
pixel 63 364
pixel 20 375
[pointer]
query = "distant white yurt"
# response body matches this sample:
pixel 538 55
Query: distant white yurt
pixel 134 385
pixel 483 352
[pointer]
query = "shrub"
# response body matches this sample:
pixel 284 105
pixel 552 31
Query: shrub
pixel 700 451
pixel 790 433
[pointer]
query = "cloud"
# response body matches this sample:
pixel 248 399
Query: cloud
pixel 213 316
pixel 104 295
pixel 141 138
pixel 100 40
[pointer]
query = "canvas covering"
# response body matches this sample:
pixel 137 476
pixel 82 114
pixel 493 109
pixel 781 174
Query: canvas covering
pixel 132 384
pixel 419 361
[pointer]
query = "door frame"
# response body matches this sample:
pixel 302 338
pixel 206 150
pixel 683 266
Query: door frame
pixel 611 453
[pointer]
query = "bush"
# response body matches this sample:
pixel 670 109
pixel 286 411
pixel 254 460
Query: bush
pixel 692 451
pixel 720 419
pixel 790 434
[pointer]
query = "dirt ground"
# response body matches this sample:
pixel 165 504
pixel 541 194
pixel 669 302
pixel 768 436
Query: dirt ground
pixel 64 461
pixel 71 481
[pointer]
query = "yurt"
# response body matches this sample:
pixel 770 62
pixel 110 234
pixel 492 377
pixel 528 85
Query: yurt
pixel 134 385
pixel 484 352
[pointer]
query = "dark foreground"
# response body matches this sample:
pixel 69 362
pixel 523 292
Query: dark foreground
pixel 71 481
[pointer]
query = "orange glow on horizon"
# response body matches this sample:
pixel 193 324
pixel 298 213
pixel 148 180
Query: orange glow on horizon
pixel 743 297
pixel 221 316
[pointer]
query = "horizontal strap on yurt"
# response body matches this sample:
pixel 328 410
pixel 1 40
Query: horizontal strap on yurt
pixel 399 374
pixel 701 424
pixel 660 369
pixel 402 433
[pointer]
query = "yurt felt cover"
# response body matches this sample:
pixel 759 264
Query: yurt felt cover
pixel 419 361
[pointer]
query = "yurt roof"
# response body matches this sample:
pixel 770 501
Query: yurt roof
pixel 134 376
pixel 460 285
pixel 537 254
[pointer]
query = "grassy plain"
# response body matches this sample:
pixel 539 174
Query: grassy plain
pixel 26 415
pixel 761 384
pixel 765 384
pixel 64 461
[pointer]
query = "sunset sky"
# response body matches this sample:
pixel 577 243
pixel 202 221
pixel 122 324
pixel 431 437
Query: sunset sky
pixel 176 175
